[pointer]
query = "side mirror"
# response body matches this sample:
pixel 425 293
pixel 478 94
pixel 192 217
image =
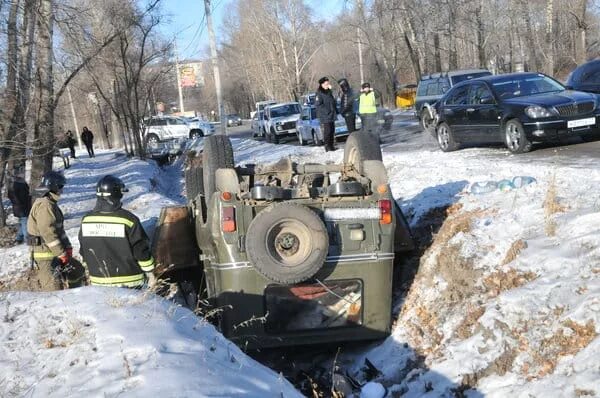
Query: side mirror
pixel 487 100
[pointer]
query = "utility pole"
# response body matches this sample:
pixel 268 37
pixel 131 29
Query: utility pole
pixel 360 7
pixel 181 108
pixel 215 63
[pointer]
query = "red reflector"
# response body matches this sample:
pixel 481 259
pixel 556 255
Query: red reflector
pixel 385 211
pixel 228 219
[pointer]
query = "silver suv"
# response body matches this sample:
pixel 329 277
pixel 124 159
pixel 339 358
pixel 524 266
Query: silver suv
pixel 164 128
pixel 280 121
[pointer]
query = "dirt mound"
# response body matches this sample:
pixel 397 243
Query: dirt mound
pixel 7 235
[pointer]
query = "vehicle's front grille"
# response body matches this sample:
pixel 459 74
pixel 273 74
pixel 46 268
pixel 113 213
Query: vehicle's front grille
pixel 288 125
pixel 575 109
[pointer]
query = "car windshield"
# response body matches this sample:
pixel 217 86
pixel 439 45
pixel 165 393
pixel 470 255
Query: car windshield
pixel 526 85
pixel 285 110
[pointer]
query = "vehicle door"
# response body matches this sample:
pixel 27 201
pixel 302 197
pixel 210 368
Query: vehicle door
pixel 454 110
pixel 482 114
pixel 304 121
pixel 158 126
pixel 178 128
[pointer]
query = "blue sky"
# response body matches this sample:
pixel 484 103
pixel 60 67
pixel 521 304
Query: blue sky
pixel 186 17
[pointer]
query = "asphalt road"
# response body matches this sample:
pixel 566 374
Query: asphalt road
pixel 407 135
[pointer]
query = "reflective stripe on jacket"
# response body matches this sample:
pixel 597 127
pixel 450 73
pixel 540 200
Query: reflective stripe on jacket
pixel 115 247
pixel 367 103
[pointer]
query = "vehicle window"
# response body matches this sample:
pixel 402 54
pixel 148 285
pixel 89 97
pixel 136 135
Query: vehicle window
pixel 461 78
pixel 433 89
pixel 526 85
pixel 158 122
pixel 176 122
pixel 477 92
pixel 422 89
pixel 591 77
pixel 458 96
pixel 285 110
pixel 331 304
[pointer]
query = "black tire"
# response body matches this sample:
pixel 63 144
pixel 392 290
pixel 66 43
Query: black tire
pixel 274 137
pixel 361 146
pixel 514 137
pixel 301 140
pixel 152 138
pixel 217 154
pixel 445 138
pixel 426 121
pixel 287 243
pixel 266 136
pixel 196 134
pixel 194 182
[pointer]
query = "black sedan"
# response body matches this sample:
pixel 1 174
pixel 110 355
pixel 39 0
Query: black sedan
pixel 515 109
pixel 586 77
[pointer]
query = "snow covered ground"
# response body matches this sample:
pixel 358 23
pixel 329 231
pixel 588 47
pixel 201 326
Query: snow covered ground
pixel 506 300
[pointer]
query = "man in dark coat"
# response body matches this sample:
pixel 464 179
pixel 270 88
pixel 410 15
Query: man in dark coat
pixel 347 104
pixel 326 113
pixel 71 143
pixel 18 194
pixel 88 139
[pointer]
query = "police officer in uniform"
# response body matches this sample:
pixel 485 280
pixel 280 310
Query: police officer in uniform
pixel 51 249
pixel 114 245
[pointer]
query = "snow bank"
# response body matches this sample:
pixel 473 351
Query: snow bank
pixel 118 342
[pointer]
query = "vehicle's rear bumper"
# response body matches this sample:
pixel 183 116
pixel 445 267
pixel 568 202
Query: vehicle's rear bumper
pixel 557 129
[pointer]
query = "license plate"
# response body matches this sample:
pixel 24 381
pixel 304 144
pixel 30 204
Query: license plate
pixel 581 122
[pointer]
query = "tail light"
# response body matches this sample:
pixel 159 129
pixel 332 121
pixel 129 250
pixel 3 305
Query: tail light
pixel 385 211
pixel 228 219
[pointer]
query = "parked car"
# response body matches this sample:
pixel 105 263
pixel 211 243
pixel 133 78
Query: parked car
pixel 516 109
pixel 432 88
pixel 260 113
pixel 200 127
pixel 162 128
pixel 256 124
pixel 280 121
pixel 233 120
pixel 309 129
pixel 586 77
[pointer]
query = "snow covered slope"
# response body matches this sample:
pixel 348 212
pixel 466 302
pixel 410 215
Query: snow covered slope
pixel 117 342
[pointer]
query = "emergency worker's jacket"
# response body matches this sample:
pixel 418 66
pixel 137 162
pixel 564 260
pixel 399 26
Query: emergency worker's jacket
pixel 45 225
pixel 114 246
pixel 367 103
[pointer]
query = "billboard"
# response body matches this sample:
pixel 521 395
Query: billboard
pixel 190 74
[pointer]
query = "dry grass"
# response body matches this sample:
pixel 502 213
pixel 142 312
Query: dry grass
pixel 500 366
pixel 551 206
pixel 500 281
pixel 515 249
pixel 584 393
pixel 466 328
pixel 569 339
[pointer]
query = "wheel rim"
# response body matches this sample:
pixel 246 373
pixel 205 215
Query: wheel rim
pixel 289 242
pixel 443 137
pixel 513 136
pixel 426 120
pixel 300 138
pixel 152 140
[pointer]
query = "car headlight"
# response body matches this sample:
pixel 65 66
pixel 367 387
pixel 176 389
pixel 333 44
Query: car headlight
pixel 278 126
pixel 537 112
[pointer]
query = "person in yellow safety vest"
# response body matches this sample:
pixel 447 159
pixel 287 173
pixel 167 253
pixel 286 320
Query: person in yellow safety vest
pixel 114 245
pixel 51 249
pixel 367 108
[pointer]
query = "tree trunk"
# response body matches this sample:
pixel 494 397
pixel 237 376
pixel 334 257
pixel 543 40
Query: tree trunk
pixel 549 64
pixel 44 82
pixel 581 35
pixel 437 54
pixel 480 35
pixel 533 59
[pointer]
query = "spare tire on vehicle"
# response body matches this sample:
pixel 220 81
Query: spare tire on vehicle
pixel 194 184
pixel 216 154
pixel 361 146
pixel 287 243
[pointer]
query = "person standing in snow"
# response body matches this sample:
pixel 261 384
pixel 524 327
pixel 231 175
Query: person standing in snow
pixel 71 143
pixel 51 249
pixel 368 101
pixel 326 113
pixel 88 139
pixel 347 104
pixel 114 245
pixel 18 194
